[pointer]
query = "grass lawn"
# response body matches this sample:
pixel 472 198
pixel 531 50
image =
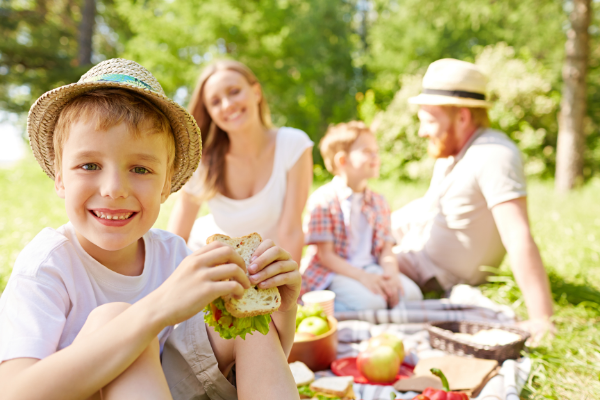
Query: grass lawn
pixel 566 228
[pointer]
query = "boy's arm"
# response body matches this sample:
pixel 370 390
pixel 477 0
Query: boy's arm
pixel 272 266
pixel 83 368
pixel 93 361
pixel 333 262
pixel 389 263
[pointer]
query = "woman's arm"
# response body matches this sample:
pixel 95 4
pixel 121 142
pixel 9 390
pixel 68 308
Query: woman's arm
pixel 183 215
pixel 289 232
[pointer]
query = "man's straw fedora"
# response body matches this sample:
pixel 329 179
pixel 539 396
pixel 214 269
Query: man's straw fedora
pixel 124 74
pixel 450 82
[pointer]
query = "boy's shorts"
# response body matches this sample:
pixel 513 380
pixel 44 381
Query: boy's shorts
pixel 190 365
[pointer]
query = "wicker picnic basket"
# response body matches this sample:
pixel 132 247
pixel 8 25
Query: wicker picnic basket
pixel 441 337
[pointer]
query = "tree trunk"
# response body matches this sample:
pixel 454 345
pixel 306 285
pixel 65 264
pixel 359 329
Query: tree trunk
pixel 86 31
pixel 571 138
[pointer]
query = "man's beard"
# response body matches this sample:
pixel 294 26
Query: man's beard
pixel 444 146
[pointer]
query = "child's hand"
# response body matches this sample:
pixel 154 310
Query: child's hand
pixel 393 288
pixel 213 271
pixel 375 283
pixel 271 266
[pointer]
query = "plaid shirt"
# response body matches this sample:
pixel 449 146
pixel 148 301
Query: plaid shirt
pixel 325 223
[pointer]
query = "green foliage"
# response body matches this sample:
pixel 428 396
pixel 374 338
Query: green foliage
pixel 38 50
pixel 408 35
pixel 525 107
pixel 306 73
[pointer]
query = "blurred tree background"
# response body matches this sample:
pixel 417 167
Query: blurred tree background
pixel 320 62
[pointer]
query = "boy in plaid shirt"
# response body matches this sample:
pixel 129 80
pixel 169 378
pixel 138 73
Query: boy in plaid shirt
pixel 350 227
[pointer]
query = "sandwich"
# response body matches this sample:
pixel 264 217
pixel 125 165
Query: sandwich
pixel 303 377
pixel 232 317
pixel 333 388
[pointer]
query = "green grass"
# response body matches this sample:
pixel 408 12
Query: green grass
pixel 566 228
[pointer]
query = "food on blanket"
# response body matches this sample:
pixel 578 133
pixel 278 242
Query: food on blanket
pixel 445 394
pixel 303 377
pixel 490 337
pixel 388 339
pixel 333 388
pixel 421 397
pixel 311 322
pixel 231 317
pixel 314 325
pixel 309 311
pixel 379 364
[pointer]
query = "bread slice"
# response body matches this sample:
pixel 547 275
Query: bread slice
pixel 302 374
pixel 339 386
pixel 255 301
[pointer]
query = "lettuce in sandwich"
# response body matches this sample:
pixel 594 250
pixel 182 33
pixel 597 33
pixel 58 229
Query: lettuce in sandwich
pixel 228 326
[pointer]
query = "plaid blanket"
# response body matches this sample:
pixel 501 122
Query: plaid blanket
pixel 409 323
pixel 428 311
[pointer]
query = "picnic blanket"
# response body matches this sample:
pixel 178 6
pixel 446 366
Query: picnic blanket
pixel 410 322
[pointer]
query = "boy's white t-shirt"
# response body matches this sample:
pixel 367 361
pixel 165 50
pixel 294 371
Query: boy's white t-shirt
pixel 55 285
pixel 360 253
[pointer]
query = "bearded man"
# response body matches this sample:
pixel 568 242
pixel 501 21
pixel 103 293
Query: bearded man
pixel 475 210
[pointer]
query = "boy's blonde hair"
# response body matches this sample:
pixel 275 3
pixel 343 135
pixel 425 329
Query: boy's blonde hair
pixel 338 138
pixel 111 107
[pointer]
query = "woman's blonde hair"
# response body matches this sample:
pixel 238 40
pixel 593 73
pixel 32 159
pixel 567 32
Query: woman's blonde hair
pixel 215 141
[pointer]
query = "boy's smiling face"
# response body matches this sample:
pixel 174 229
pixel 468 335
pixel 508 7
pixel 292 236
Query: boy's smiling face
pixel 113 183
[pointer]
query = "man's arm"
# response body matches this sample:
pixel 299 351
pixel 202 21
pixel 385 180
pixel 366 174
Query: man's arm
pixel 513 225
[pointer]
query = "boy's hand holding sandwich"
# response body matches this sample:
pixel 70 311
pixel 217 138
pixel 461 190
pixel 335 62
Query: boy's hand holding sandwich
pixel 218 270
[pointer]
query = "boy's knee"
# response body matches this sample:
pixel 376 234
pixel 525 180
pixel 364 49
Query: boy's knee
pixel 105 313
pixel 375 302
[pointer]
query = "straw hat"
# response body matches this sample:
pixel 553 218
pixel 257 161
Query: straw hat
pixel 450 82
pixel 116 73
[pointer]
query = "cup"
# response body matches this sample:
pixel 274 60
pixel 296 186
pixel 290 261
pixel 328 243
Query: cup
pixel 324 298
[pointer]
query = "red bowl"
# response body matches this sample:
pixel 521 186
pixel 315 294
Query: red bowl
pixel 319 352
pixel 347 367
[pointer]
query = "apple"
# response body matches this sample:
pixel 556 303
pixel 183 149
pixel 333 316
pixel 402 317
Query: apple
pixel 315 325
pixel 303 336
pixel 388 339
pixel 379 364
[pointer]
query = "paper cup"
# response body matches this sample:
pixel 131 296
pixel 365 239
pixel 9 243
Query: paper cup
pixel 324 298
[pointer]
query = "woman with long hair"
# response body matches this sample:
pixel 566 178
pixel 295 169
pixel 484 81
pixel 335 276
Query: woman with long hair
pixel 254 177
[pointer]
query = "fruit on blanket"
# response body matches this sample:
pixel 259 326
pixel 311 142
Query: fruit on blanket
pixel 379 364
pixel 388 339
pixel 421 397
pixel 445 394
pixel 315 325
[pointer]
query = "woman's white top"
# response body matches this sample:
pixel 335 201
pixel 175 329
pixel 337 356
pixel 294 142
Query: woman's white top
pixel 259 213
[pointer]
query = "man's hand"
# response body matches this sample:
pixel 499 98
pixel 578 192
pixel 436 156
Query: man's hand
pixel 538 328
pixel 271 266
pixel 211 272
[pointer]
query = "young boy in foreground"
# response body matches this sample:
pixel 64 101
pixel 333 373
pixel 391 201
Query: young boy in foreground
pixel 89 306
pixel 351 228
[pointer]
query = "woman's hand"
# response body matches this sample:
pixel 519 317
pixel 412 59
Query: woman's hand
pixel 271 266
pixel 213 271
